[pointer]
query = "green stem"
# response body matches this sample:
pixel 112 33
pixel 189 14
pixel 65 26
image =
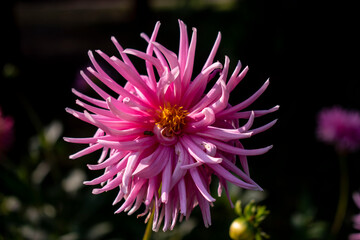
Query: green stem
pixel 148 230
pixel 343 197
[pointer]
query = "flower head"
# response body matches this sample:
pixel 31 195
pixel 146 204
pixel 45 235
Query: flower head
pixel 356 218
pixel 162 136
pixel 6 132
pixel 339 127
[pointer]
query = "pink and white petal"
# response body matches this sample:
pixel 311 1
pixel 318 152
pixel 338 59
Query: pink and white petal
pixel 96 102
pixel 234 81
pixel 86 151
pixel 135 145
pixel 132 195
pixel 205 209
pixel 81 140
pixel 239 151
pixel 149 51
pixel 182 196
pixel 195 90
pixel 156 165
pixel 223 134
pixel 199 183
pixel 222 172
pixel 197 153
pixel 212 54
pixel 181 159
pixel 133 161
pixel 169 55
pixel 166 181
pixel 206 118
pixel 183 47
pixel 154 61
pixel 113 159
pixel 264 127
pixel 246 114
pixel 111 184
pixel 245 103
pixel 113 170
pixel 189 60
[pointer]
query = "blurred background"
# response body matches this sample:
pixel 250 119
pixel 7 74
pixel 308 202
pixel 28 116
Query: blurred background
pixel 308 49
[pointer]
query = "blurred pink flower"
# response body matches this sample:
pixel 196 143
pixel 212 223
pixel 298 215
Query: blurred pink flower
pixel 339 127
pixel 163 136
pixel 356 218
pixel 6 132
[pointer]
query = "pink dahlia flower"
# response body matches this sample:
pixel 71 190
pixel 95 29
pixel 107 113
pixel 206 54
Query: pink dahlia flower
pixel 162 137
pixel 6 132
pixel 356 218
pixel 339 127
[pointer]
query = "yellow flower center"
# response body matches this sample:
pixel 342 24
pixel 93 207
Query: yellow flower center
pixel 171 119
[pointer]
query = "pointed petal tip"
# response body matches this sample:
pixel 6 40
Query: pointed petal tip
pixel 258 188
pixel 86 182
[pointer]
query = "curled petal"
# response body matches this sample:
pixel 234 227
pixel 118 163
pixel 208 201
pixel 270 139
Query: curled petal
pixel 196 152
pixel 208 118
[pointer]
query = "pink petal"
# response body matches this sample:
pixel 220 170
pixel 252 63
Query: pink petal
pixel 211 57
pixel 239 151
pixel 130 199
pixel 234 81
pixel 183 47
pixel 223 134
pixel 166 181
pixel 190 60
pixel 199 182
pixel 245 103
pixel 197 153
pixel 86 151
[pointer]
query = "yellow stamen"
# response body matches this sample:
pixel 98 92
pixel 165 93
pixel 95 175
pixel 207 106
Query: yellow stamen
pixel 172 119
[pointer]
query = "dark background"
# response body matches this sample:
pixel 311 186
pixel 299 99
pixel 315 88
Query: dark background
pixel 307 48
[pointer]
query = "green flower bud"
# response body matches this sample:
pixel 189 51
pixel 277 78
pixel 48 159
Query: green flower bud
pixel 240 229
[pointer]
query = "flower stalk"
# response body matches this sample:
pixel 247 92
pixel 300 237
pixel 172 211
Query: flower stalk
pixel 343 196
pixel 148 229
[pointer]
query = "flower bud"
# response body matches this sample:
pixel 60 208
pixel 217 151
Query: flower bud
pixel 240 229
